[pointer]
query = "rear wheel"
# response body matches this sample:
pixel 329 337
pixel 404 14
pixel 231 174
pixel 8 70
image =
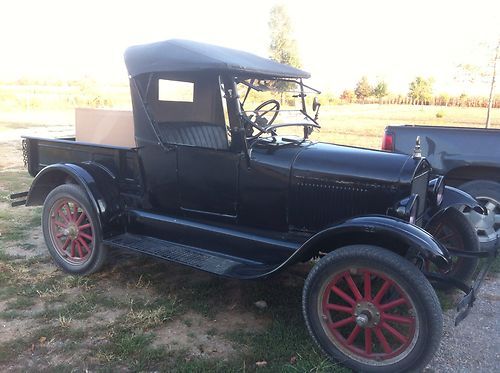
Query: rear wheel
pixel 372 310
pixel 454 231
pixel 71 230
pixel 487 193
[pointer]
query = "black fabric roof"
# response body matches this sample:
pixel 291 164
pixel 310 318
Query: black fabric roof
pixel 177 56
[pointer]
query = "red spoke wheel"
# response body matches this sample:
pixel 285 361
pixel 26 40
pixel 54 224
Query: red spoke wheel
pixel 454 231
pixel 71 230
pixel 372 310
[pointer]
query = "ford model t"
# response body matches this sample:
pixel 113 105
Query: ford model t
pixel 217 186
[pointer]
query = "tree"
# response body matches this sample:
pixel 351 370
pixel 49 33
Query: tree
pixel 421 89
pixel 363 88
pixel 348 96
pixel 492 86
pixel 484 70
pixel 283 47
pixel 380 89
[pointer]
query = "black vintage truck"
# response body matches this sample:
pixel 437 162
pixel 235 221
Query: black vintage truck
pixel 469 158
pixel 217 186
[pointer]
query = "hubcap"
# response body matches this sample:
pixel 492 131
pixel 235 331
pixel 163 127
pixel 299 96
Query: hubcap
pixel 487 226
pixel 367 316
pixel 71 231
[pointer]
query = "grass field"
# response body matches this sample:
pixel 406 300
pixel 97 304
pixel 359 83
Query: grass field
pixel 143 315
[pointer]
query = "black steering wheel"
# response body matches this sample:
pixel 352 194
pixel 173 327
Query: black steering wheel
pixel 260 121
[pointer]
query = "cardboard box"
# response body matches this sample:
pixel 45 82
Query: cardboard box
pixel 105 126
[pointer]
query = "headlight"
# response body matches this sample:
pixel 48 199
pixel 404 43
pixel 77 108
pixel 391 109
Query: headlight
pixel 436 190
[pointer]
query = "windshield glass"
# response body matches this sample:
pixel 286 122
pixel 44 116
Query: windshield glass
pixel 277 107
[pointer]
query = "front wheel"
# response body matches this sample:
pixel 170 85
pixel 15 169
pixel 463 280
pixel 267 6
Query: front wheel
pixel 372 310
pixel 454 231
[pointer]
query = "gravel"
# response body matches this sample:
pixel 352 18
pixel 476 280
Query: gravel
pixel 474 345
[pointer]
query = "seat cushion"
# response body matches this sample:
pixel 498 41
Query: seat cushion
pixel 204 135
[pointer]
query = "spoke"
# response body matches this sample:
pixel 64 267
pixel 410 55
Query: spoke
pixel 490 206
pixel 68 209
pixel 85 246
pixel 338 307
pixel 85 235
pixel 60 224
pixel 392 304
pixel 80 251
pixel 85 226
pixel 80 218
pixel 66 243
pixel 342 323
pixel 446 237
pixel 491 233
pixel 368 286
pixel 497 218
pixel 368 340
pixel 59 235
pixel 401 338
pixel 72 249
pixel 75 210
pixel 387 284
pixel 352 286
pixel 63 216
pixel 383 341
pixel 353 335
pixel 343 295
pixel 398 319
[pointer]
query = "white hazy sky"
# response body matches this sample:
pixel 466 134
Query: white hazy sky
pixel 339 41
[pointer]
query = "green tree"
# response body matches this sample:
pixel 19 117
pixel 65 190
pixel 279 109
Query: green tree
pixel 283 47
pixel 363 88
pixel 421 89
pixel 380 90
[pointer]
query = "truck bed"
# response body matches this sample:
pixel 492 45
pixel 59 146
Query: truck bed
pixel 121 161
pixel 448 148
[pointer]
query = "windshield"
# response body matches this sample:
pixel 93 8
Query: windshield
pixel 277 107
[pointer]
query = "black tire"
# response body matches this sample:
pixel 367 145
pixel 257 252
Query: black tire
pixel 487 194
pixel 420 310
pixel 71 230
pixel 454 231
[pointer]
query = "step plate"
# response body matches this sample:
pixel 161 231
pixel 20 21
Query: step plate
pixel 177 253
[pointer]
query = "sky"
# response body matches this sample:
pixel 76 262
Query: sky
pixel 339 41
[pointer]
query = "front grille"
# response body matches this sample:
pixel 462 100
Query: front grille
pixel 419 187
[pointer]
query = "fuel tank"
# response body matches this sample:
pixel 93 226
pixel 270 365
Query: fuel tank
pixel 330 183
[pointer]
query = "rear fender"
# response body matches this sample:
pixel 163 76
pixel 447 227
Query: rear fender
pixel 98 182
pixel 452 197
pixel 391 233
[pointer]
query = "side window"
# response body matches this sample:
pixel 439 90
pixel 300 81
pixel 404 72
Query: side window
pixel 176 91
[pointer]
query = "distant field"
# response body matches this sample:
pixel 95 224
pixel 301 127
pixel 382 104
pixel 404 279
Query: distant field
pixel 363 125
pixel 354 124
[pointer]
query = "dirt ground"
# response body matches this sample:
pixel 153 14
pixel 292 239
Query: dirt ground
pixel 139 314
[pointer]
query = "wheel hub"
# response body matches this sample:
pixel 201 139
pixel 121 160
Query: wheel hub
pixel 487 226
pixel 367 314
pixel 72 232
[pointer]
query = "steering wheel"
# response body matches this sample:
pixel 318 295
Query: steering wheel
pixel 259 121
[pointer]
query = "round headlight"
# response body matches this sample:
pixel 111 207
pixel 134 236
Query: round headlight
pixel 439 190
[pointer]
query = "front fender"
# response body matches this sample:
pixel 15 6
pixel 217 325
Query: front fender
pixel 97 183
pixel 452 197
pixel 380 226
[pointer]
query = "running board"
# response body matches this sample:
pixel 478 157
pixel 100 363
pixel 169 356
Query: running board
pixel 201 259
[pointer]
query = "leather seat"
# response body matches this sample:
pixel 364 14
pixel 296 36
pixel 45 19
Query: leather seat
pixel 205 135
